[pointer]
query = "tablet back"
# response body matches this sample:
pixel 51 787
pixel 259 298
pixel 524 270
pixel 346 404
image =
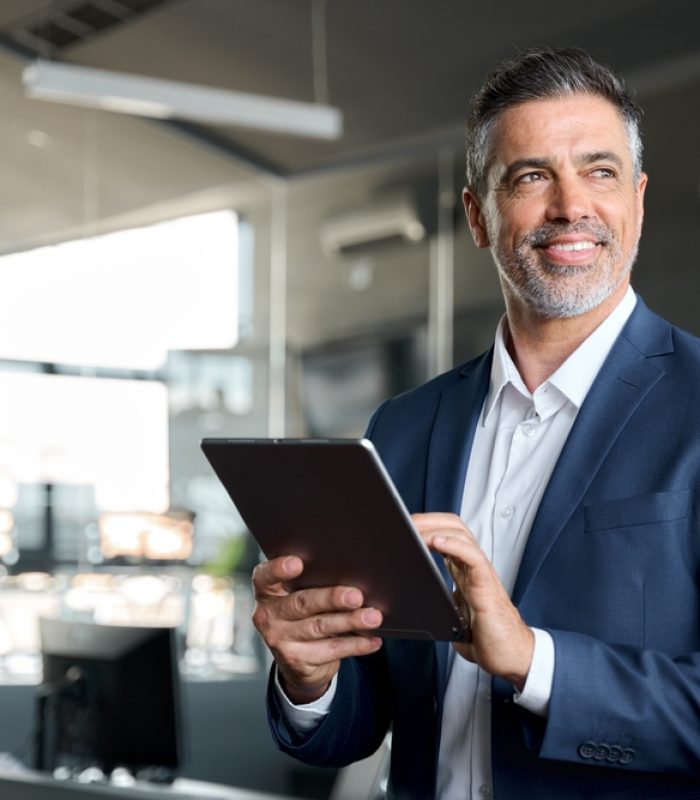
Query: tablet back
pixel 332 503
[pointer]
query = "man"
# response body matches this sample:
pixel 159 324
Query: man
pixel 555 475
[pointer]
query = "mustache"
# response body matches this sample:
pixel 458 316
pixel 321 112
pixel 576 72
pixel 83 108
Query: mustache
pixel 551 230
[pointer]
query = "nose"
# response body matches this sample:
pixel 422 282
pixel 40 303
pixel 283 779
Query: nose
pixel 568 200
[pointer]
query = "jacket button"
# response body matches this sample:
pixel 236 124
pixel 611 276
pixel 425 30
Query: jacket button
pixel 627 756
pixel 615 754
pixel 601 752
pixel 587 749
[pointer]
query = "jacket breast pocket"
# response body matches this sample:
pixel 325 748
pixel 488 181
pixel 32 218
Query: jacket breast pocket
pixel 642 553
pixel 649 510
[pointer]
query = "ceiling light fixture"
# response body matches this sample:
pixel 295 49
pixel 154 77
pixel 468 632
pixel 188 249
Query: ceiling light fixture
pixel 153 97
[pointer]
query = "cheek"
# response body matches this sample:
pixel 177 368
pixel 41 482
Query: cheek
pixel 519 221
pixel 629 230
pixel 623 214
pixel 502 230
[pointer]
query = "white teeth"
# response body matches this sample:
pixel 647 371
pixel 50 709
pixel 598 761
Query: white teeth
pixel 574 246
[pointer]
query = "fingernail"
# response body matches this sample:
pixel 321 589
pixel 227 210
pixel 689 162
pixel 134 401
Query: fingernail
pixel 352 598
pixel 439 539
pixel 371 617
pixel 289 565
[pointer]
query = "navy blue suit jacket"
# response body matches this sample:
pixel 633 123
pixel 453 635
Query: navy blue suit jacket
pixel 611 570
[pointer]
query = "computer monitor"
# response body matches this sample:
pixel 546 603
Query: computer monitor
pixel 110 698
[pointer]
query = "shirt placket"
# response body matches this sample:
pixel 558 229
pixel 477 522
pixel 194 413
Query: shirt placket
pixel 510 498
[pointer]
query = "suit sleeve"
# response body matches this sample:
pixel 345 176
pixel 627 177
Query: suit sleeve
pixel 621 707
pixel 356 724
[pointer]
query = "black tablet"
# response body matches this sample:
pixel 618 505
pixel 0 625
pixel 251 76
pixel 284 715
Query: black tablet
pixel 333 504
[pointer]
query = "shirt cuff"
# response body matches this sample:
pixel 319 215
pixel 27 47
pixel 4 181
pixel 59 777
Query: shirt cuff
pixel 304 718
pixel 538 686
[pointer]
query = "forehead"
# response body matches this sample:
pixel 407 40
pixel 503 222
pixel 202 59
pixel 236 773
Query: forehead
pixel 555 127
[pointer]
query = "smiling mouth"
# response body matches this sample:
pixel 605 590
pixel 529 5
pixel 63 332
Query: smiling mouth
pixel 579 236
pixel 578 253
pixel 570 247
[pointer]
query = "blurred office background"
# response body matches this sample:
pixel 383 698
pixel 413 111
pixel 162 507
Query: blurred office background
pixel 163 280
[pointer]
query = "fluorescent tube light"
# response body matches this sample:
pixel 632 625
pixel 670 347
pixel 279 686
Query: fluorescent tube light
pixel 153 97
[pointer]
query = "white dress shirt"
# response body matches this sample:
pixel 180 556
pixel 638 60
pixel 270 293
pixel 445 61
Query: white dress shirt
pixel 517 442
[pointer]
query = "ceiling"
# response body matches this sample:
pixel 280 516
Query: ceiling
pixel 401 71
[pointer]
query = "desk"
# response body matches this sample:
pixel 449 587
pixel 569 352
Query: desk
pixel 226 738
pixel 34 786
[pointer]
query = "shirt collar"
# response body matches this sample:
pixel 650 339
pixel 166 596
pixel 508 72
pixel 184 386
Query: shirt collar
pixel 575 376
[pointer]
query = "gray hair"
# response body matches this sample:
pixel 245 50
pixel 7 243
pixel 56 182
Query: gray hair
pixel 538 74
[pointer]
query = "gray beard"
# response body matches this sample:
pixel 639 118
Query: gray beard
pixel 544 287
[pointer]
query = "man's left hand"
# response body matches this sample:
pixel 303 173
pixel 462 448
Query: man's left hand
pixel 502 644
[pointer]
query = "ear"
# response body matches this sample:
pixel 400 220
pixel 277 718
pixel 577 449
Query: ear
pixel 641 187
pixel 475 218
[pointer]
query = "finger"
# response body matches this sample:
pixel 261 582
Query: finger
pixel 475 576
pixel 325 651
pixel 303 646
pixel 457 572
pixel 269 576
pixel 326 626
pixel 470 568
pixel 460 578
pixel 463 551
pixel 461 602
pixel 311 602
pixel 431 525
pixel 437 520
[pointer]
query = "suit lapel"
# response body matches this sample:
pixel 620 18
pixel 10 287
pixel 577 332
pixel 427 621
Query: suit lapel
pixel 452 437
pixel 448 458
pixel 622 383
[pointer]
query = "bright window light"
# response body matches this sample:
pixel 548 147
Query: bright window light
pixel 124 299
pixel 112 434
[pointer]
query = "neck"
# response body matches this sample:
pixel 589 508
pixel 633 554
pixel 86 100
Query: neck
pixel 539 346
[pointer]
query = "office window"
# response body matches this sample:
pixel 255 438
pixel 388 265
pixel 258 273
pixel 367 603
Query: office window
pixel 124 299
pixel 89 335
pixel 112 434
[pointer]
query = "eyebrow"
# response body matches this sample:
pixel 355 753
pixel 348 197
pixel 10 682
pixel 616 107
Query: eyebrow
pixel 546 163
pixel 602 155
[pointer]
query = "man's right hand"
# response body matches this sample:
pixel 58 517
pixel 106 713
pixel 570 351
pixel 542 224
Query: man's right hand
pixel 307 630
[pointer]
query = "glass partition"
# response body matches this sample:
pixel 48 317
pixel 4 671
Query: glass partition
pixel 158 291
pixel 135 276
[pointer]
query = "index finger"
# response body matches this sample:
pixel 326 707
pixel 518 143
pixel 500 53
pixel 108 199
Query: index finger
pixel 437 521
pixel 435 528
pixel 269 577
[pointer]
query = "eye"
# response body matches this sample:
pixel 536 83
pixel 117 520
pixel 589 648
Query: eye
pixel 530 177
pixel 602 172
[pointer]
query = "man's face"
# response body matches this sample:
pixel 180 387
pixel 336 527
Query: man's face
pixel 563 212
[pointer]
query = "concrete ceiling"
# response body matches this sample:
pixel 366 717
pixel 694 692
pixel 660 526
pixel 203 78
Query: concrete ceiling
pixel 401 71
pixel 398 69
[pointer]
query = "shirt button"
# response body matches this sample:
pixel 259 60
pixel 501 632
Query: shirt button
pixel 507 512
pixel 529 430
pixel 485 790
